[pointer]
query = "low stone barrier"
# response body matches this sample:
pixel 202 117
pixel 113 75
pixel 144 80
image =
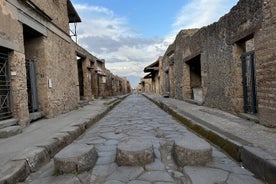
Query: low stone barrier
pixel 75 158
pixel 193 151
pixel 134 152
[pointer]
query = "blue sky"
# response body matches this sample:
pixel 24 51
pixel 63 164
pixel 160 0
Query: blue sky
pixel 131 34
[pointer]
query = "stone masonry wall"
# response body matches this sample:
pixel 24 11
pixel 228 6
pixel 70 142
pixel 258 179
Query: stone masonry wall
pixel 61 70
pixel 180 42
pixel 250 25
pixel 55 9
pixel 220 69
pixel 266 65
pixel 14 41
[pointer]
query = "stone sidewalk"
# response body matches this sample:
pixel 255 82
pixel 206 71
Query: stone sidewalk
pixel 249 143
pixel 138 143
pixel 37 144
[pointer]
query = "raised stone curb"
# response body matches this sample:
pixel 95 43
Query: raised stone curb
pixel 260 163
pixel 35 157
pixel 75 158
pixel 134 152
pixel 194 151
pixel 14 172
pixel 10 131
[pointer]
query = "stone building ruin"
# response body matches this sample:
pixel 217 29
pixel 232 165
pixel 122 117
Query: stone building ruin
pixel 42 70
pixel 229 65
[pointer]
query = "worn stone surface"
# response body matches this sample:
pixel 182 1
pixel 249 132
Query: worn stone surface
pixel 10 131
pixel 127 117
pixel 192 151
pixel 201 175
pixel 7 123
pixel 75 158
pixel 154 176
pixel 134 152
pixel 125 173
pixel 266 163
pixel 35 157
pixel 68 179
pixel 14 171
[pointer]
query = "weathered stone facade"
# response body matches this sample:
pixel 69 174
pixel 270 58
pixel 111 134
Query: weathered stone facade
pixel 43 69
pixel 229 64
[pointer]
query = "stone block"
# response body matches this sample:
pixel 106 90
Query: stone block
pixel 134 152
pixel 155 176
pixel 75 158
pixel 10 131
pixel 205 175
pixel 126 173
pixel 35 157
pixel 191 151
pixel 8 122
pixel 14 171
pixel 260 163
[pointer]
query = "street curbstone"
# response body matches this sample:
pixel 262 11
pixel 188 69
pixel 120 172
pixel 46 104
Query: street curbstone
pixel 35 157
pixel 14 171
pixel 260 163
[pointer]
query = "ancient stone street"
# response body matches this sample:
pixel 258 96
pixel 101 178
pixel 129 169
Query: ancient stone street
pixel 138 143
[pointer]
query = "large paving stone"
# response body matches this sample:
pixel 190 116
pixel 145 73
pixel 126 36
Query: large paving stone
pixel 126 173
pixel 134 152
pixel 191 151
pixel 204 175
pixel 156 176
pixel 75 158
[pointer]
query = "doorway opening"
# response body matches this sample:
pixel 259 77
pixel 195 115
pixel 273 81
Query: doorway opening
pixel 32 43
pixel 80 60
pixel 194 66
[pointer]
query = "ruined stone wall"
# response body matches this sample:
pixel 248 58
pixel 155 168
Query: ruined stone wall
pixel 57 10
pixel 250 25
pixel 88 70
pixel 168 71
pixel 60 58
pixel 220 64
pixel 265 45
pixel 19 86
pixel 181 42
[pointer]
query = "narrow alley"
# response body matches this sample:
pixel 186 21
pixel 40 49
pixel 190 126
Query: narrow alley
pixel 139 127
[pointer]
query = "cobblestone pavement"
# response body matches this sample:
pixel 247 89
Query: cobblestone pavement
pixel 138 118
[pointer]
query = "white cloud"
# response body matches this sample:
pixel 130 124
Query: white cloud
pixel 108 36
pixel 199 13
